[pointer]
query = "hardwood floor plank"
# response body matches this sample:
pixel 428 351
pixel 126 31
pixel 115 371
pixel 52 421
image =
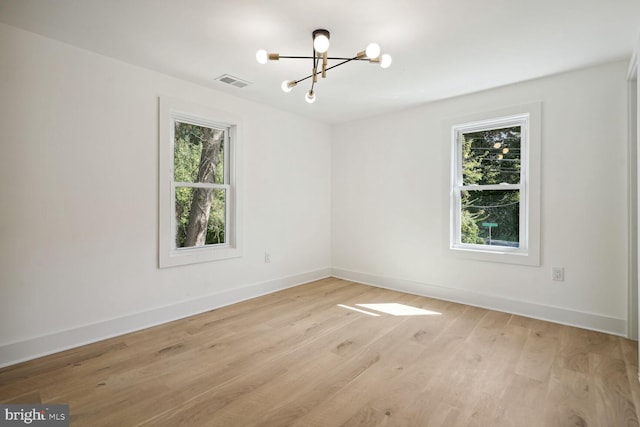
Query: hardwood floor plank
pixel 538 353
pixel 612 397
pixel 305 357
pixel 630 356
pixel 523 398
pixel 569 401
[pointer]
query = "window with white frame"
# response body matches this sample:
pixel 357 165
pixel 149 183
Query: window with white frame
pixel 198 184
pixel 494 213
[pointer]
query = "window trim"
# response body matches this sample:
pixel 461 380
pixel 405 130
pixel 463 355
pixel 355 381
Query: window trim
pixel 171 110
pixel 529 251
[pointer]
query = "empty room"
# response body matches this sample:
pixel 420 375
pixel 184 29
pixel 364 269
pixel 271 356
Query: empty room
pixel 252 213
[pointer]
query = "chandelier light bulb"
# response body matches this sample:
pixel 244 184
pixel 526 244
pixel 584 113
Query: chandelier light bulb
pixel 262 57
pixel 321 43
pixel 505 150
pixel 497 145
pixel 287 86
pixel 385 60
pixel 372 50
pixel 310 97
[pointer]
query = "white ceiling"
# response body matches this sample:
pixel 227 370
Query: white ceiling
pixel 440 48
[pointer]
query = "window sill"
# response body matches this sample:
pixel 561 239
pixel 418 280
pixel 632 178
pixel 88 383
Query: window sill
pixel 198 255
pixel 496 255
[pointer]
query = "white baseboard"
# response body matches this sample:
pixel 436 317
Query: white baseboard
pixel 565 316
pixel 21 351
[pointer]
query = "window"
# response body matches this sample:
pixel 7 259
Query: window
pixel 198 184
pixel 494 200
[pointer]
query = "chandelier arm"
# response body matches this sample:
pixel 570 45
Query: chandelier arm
pixel 324 64
pixel 355 58
pixel 316 62
pixel 303 79
pixel 331 58
pixel 295 57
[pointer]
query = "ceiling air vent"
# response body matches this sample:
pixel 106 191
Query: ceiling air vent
pixel 233 81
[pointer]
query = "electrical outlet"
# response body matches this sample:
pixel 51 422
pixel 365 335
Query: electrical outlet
pixel 557 274
pixel 267 257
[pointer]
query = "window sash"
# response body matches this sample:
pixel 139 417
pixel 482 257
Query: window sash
pixel 522 221
pixel 228 201
pixel 177 117
pixel 519 120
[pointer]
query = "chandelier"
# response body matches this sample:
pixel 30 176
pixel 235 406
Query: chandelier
pixel 320 59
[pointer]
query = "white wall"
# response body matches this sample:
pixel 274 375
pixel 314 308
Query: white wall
pixel 79 191
pixel 390 202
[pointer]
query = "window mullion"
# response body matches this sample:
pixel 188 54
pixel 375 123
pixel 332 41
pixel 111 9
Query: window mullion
pixel 491 187
pixel 201 185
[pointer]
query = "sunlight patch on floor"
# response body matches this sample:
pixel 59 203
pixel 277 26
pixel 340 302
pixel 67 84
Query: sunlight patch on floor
pixel 396 309
pixel 358 310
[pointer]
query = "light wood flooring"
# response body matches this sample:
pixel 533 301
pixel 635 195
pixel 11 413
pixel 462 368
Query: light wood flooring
pixel 298 358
